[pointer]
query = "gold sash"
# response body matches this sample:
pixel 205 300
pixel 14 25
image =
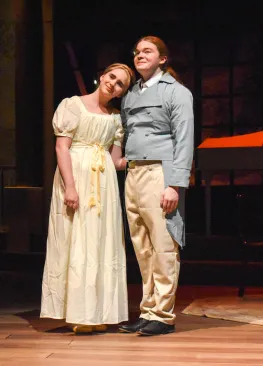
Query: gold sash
pixel 97 167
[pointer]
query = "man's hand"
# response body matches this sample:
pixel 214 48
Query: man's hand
pixel 71 198
pixel 169 199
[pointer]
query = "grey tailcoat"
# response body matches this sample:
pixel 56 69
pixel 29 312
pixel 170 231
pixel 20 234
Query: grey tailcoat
pixel 159 125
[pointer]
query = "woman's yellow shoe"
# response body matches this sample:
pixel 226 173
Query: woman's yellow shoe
pixel 82 329
pixel 99 328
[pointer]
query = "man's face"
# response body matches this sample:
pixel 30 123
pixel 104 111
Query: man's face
pixel 147 57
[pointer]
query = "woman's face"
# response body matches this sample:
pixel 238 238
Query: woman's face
pixel 114 83
pixel 147 57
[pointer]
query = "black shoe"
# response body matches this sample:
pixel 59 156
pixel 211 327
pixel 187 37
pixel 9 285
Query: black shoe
pixel 155 328
pixel 133 328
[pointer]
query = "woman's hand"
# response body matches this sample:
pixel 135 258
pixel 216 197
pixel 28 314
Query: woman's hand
pixel 71 198
pixel 116 154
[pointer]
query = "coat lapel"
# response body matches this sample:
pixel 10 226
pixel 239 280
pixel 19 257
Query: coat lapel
pixel 149 98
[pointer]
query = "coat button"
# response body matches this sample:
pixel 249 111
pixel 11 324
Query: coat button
pixel 147 134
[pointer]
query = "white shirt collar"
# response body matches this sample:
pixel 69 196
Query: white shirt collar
pixel 153 80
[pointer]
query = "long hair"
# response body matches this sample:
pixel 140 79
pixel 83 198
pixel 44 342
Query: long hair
pixel 163 51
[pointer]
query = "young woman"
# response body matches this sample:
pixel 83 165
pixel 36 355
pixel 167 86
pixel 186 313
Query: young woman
pixel 158 115
pixel 84 279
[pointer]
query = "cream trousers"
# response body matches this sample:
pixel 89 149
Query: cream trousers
pixel 157 253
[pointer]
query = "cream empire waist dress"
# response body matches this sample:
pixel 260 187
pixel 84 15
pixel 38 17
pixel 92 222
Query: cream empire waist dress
pixel 84 280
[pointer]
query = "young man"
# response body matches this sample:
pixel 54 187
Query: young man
pixel 157 115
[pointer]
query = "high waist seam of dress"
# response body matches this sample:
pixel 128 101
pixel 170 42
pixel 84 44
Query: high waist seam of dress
pixel 90 145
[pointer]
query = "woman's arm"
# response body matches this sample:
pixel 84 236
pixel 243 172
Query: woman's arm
pixel 71 198
pixel 116 154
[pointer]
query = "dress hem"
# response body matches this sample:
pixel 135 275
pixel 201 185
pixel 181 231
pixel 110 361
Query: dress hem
pixel 86 323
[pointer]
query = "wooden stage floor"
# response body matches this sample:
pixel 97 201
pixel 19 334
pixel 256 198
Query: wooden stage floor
pixel 197 341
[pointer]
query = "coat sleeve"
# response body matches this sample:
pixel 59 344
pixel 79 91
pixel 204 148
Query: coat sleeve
pixel 182 128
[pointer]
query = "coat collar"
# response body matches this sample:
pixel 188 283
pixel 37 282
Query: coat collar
pixel 150 98
pixel 166 78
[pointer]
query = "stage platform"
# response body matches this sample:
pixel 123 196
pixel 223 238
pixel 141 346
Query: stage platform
pixel 26 340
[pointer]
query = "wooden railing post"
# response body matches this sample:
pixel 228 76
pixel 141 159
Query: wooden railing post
pixel 48 103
